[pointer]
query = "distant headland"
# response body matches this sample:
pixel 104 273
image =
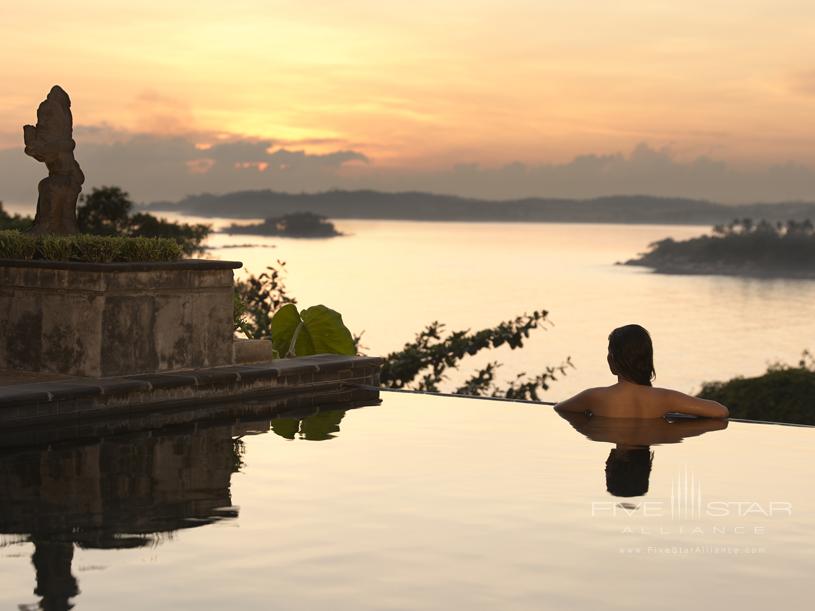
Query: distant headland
pixel 419 206
pixel 741 248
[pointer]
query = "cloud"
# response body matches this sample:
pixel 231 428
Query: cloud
pixel 153 167
pixel 169 167
pixel 645 171
pixel 157 113
pixel 804 82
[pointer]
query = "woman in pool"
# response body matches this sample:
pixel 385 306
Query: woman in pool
pixel 631 359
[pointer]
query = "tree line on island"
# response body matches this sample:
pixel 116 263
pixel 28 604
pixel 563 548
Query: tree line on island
pixel 292 225
pixel 742 247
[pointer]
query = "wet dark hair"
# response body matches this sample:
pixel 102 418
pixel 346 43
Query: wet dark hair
pixel 632 354
pixel 628 471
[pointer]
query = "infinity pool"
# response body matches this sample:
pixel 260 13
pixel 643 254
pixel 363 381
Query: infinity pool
pixel 418 503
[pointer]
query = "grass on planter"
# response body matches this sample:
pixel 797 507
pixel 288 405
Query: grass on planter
pixel 87 248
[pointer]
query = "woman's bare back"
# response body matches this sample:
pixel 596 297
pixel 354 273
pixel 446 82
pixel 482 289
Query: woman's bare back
pixel 628 400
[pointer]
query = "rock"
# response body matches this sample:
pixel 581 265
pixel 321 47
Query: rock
pixel 51 142
pixel 253 350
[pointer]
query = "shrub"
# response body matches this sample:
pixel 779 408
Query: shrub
pixel 108 211
pixel 257 298
pixel 87 248
pixel 785 393
pixel 14 221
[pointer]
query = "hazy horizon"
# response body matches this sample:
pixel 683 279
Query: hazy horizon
pixel 168 168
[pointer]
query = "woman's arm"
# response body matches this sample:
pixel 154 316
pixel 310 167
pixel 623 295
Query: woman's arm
pixel 685 404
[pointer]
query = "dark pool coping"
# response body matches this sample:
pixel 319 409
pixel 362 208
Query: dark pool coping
pixel 81 397
pixel 142 266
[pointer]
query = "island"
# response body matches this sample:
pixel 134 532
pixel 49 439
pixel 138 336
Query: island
pixel 293 225
pixel 741 248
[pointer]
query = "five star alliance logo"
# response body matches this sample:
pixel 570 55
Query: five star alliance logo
pixel 686 496
pixel 686 503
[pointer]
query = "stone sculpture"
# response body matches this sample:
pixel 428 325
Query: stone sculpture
pixel 51 142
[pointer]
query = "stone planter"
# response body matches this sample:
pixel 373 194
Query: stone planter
pixel 111 319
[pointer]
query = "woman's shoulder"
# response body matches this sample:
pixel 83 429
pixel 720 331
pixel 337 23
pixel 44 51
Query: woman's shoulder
pixel 588 399
pixel 667 394
pixel 600 392
pixel 675 401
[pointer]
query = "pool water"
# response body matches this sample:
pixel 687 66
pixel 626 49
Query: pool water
pixel 420 502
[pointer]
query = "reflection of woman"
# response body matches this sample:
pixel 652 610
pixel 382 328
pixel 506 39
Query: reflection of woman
pixel 628 471
pixel 631 359
pixel 628 466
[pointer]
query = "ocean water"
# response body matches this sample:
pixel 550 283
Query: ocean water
pixel 390 278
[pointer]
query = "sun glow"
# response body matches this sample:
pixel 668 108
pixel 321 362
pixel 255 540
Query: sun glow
pixel 421 83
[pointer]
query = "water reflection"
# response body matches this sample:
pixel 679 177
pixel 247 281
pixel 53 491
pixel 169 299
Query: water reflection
pixel 628 466
pixel 317 427
pixel 131 490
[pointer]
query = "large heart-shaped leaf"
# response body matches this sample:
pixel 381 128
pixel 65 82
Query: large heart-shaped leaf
pixel 284 325
pixel 315 330
pixel 324 332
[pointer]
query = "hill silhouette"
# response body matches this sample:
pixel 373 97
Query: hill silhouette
pixel 419 206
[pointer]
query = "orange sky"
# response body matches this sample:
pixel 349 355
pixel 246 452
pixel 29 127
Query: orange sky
pixel 429 84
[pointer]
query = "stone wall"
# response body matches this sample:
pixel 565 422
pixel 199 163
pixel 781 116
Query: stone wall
pixel 112 319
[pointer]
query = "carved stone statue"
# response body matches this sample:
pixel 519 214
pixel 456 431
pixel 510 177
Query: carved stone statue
pixel 51 141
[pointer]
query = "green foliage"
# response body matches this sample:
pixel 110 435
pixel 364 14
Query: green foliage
pixel 257 298
pixel 421 364
pixel 16 245
pixel 785 393
pixel 105 211
pixel 189 237
pixel 149 249
pixel 238 454
pixel 87 248
pixel 748 227
pixel 315 330
pixel 743 246
pixel 321 426
pixel 108 211
pixel 286 324
pixel 431 353
pixel 16 221
pixel 55 248
pixel 239 313
pixel 523 387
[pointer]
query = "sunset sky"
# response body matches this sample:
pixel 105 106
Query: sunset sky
pixel 419 88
